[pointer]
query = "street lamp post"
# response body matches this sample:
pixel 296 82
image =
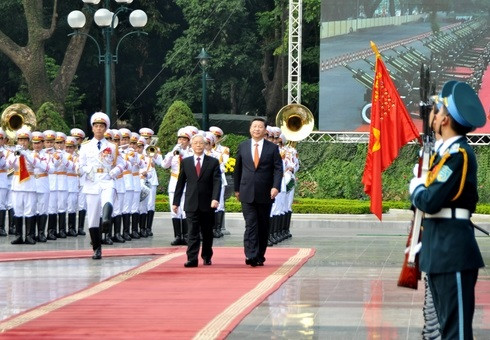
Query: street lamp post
pixel 204 62
pixel 108 21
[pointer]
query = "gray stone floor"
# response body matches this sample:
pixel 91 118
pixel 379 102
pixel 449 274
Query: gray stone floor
pixel 346 291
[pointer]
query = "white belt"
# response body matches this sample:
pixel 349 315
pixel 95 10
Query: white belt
pixel 459 213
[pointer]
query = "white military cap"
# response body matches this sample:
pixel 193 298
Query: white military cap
pixel 76 132
pixel 193 130
pixel 134 137
pixel 49 135
pixel 37 137
pixel 216 131
pixel 125 132
pixel 108 134
pixel 141 141
pixel 185 133
pixel 60 137
pixel 100 117
pixel 116 134
pixel 23 133
pixel 146 132
pixel 71 141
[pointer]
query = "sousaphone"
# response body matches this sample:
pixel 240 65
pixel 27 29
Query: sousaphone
pixel 17 116
pixel 296 122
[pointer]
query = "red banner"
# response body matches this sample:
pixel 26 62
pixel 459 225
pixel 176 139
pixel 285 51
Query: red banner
pixel 23 172
pixel 391 128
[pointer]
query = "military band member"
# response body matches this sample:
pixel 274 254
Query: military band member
pixel 172 161
pixel 4 184
pixel 79 134
pixel 156 159
pixel 73 184
pixel 42 185
pixel 224 156
pixel 62 181
pixel 24 187
pixel 135 202
pixel 448 196
pixel 98 160
pixel 144 174
pixel 49 138
pixel 131 159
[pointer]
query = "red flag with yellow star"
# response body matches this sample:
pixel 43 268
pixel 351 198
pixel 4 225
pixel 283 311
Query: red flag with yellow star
pixel 391 128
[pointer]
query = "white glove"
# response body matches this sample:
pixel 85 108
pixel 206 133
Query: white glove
pixel 19 148
pixel 29 157
pixel 416 170
pixel 415 182
pixel 114 173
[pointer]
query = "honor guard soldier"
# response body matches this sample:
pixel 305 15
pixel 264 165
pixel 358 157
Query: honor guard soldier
pixel 172 161
pixel 49 138
pixel 144 174
pixel 24 187
pixel 224 156
pixel 448 196
pixel 107 235
pixel 65 165
pixel 73 184
pixel 4 185
pixel 156 159
pixel 131 159
pixel 135 202
pixel 79 134
pixel 120 191
pixel 277 210
pixel 98 160
pixel 42 185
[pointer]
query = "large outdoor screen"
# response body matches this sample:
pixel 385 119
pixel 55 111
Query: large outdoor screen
pixel 405 38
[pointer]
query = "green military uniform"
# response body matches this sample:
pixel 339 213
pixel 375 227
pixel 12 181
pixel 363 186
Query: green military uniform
pixel 450 255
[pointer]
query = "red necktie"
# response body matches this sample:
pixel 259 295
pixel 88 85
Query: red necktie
pixel 198 166
pixel 256 155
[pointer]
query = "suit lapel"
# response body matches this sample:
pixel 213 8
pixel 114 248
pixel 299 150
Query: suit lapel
pixel 248 152
pixel 204 164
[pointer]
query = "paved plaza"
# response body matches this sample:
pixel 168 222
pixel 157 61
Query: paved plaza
pixel 346 291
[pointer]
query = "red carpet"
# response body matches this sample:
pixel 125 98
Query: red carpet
pixel 162 300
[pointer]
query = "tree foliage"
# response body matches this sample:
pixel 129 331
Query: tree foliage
pixel 178 116
pixel 49 118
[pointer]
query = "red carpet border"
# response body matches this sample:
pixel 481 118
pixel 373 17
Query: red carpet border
pixel 162 300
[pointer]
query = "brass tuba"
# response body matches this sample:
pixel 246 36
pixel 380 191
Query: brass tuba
pixel 296 122
pixel 17 116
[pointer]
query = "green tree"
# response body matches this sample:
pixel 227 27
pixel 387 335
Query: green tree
pixel 178 116
pixel 49 118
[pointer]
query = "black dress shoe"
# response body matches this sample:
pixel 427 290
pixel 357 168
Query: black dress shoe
pixel 190 264
pixel 252 262
pixel 207 262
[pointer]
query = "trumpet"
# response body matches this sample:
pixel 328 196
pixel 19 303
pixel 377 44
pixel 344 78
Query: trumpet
pixel 151 150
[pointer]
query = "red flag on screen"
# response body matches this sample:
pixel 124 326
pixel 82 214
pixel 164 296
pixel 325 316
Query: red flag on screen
pixel 391 128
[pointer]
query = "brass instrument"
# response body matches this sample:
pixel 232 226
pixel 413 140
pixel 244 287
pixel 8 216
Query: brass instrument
pixel 151 150
pixel 17 116
pixel 154 141
pixel 296 122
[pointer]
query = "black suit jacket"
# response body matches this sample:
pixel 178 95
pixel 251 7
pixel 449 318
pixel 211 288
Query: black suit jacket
pixel 200 191
pixel 256 184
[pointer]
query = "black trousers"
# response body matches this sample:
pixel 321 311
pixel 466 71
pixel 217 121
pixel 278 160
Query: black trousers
pixel 200 222
pixel 256 217
pixel 454 299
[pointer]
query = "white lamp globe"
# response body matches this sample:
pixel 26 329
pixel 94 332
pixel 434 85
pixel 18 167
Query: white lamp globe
pixel 103 17
pixel 76 19
pixel 138 18
pixel 124 1
pixel 94 2
pixel 116 21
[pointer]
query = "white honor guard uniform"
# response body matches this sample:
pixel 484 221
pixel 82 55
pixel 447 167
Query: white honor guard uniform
pixel 42 185
pixel 224 156
pixel 24 187
pixel 120 190
pixel 172 161
pixel 137 166
pixel 130 159
pixel 62 181
pixel 155 159
pixel 79 134
pixel 4 182
pixel 98 160
pixel 49 138
pixel 145 176
pixel 73 184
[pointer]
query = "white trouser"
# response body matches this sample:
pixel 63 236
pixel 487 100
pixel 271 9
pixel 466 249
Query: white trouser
pixel 95 202
pixel 24 203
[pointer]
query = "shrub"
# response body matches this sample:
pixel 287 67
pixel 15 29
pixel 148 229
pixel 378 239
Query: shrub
pixel 49 118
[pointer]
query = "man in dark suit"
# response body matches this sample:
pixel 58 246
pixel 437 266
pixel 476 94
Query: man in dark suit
pixel 257 181
pixel 200 175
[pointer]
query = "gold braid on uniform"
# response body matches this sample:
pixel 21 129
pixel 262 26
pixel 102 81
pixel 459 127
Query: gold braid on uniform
pixel 432 175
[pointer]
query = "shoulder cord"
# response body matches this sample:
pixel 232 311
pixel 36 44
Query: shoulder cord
pixel 432 175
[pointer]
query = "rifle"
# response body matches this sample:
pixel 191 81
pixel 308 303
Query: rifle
pixel 410 273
